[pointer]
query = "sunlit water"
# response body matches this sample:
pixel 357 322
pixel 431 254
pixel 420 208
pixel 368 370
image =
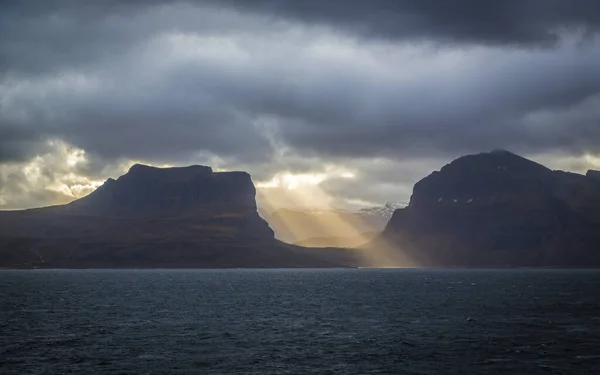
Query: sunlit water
pixel 300 322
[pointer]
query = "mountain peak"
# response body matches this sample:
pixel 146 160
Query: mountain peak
pixel 481 176
pixel 495 159
pixel 138 166
pixel 593 175
pixel 165 172
pixel 500 151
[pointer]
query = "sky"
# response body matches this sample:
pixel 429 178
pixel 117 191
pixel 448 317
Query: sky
pixel 335 103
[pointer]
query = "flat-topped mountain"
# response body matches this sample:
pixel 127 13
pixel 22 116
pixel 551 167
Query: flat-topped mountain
pixel 156 217
pixel 151 191
pixel 499 209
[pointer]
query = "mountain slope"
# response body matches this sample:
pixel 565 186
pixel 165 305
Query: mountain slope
pixel 498 209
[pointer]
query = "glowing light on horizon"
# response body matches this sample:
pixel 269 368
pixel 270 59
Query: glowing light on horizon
pixel 304 191
pixel 291 181
pixel 592 160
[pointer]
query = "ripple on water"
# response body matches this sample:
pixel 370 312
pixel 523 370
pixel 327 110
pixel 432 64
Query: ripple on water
pixel 300 322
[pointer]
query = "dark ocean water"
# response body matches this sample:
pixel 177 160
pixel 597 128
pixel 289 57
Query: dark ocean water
pixel 300 322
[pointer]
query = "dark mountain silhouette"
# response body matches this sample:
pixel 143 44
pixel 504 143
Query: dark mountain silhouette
pixel 594 176
pixel 156 217
pixel 498 209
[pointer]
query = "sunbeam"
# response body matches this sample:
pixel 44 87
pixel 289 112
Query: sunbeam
pixel 304 192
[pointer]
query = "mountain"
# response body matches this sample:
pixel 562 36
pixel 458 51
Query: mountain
pixel 329 228
pixel 498 209
pixel 386 211
pixel 156 217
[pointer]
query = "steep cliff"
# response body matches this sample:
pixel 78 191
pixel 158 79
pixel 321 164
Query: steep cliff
pixel 194 192
pixel 499 209
pixel 146 190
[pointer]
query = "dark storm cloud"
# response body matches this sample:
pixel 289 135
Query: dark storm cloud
pixel 268 86
pixel 494 100
pixel 41 36
pixel 516 22
pixel 74 32
pixel 98 83
pixel 18 144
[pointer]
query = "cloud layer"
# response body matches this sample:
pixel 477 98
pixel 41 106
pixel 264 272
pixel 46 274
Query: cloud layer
pixel 385 89
pixel 509 22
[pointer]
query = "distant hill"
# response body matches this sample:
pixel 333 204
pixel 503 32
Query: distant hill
pixel 498 209
pixel 345 242
pixel 386 211
pixel 156 217
pixel 329 227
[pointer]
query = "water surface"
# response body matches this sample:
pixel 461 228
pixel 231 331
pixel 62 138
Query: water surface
pixel 360 321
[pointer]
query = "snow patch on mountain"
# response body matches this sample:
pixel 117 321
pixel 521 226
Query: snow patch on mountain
pixel 385 211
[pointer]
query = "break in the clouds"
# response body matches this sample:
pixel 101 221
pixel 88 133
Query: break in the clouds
pixel 358 98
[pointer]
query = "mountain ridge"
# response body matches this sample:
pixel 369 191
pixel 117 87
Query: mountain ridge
pixel 498 209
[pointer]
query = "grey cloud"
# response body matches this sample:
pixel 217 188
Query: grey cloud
pixel 17 144
pixel 135 114
pixel 325 105
pixel 508 22
pixel 40 37
pixel 91 75
pixel 194 82
pixel 467 110
pixel 379 180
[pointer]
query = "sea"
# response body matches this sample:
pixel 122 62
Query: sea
pixel 300 321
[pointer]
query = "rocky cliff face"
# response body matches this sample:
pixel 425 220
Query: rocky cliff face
pixel 150 191
pixel 499 209
pixel 594 176
pixel 195 193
